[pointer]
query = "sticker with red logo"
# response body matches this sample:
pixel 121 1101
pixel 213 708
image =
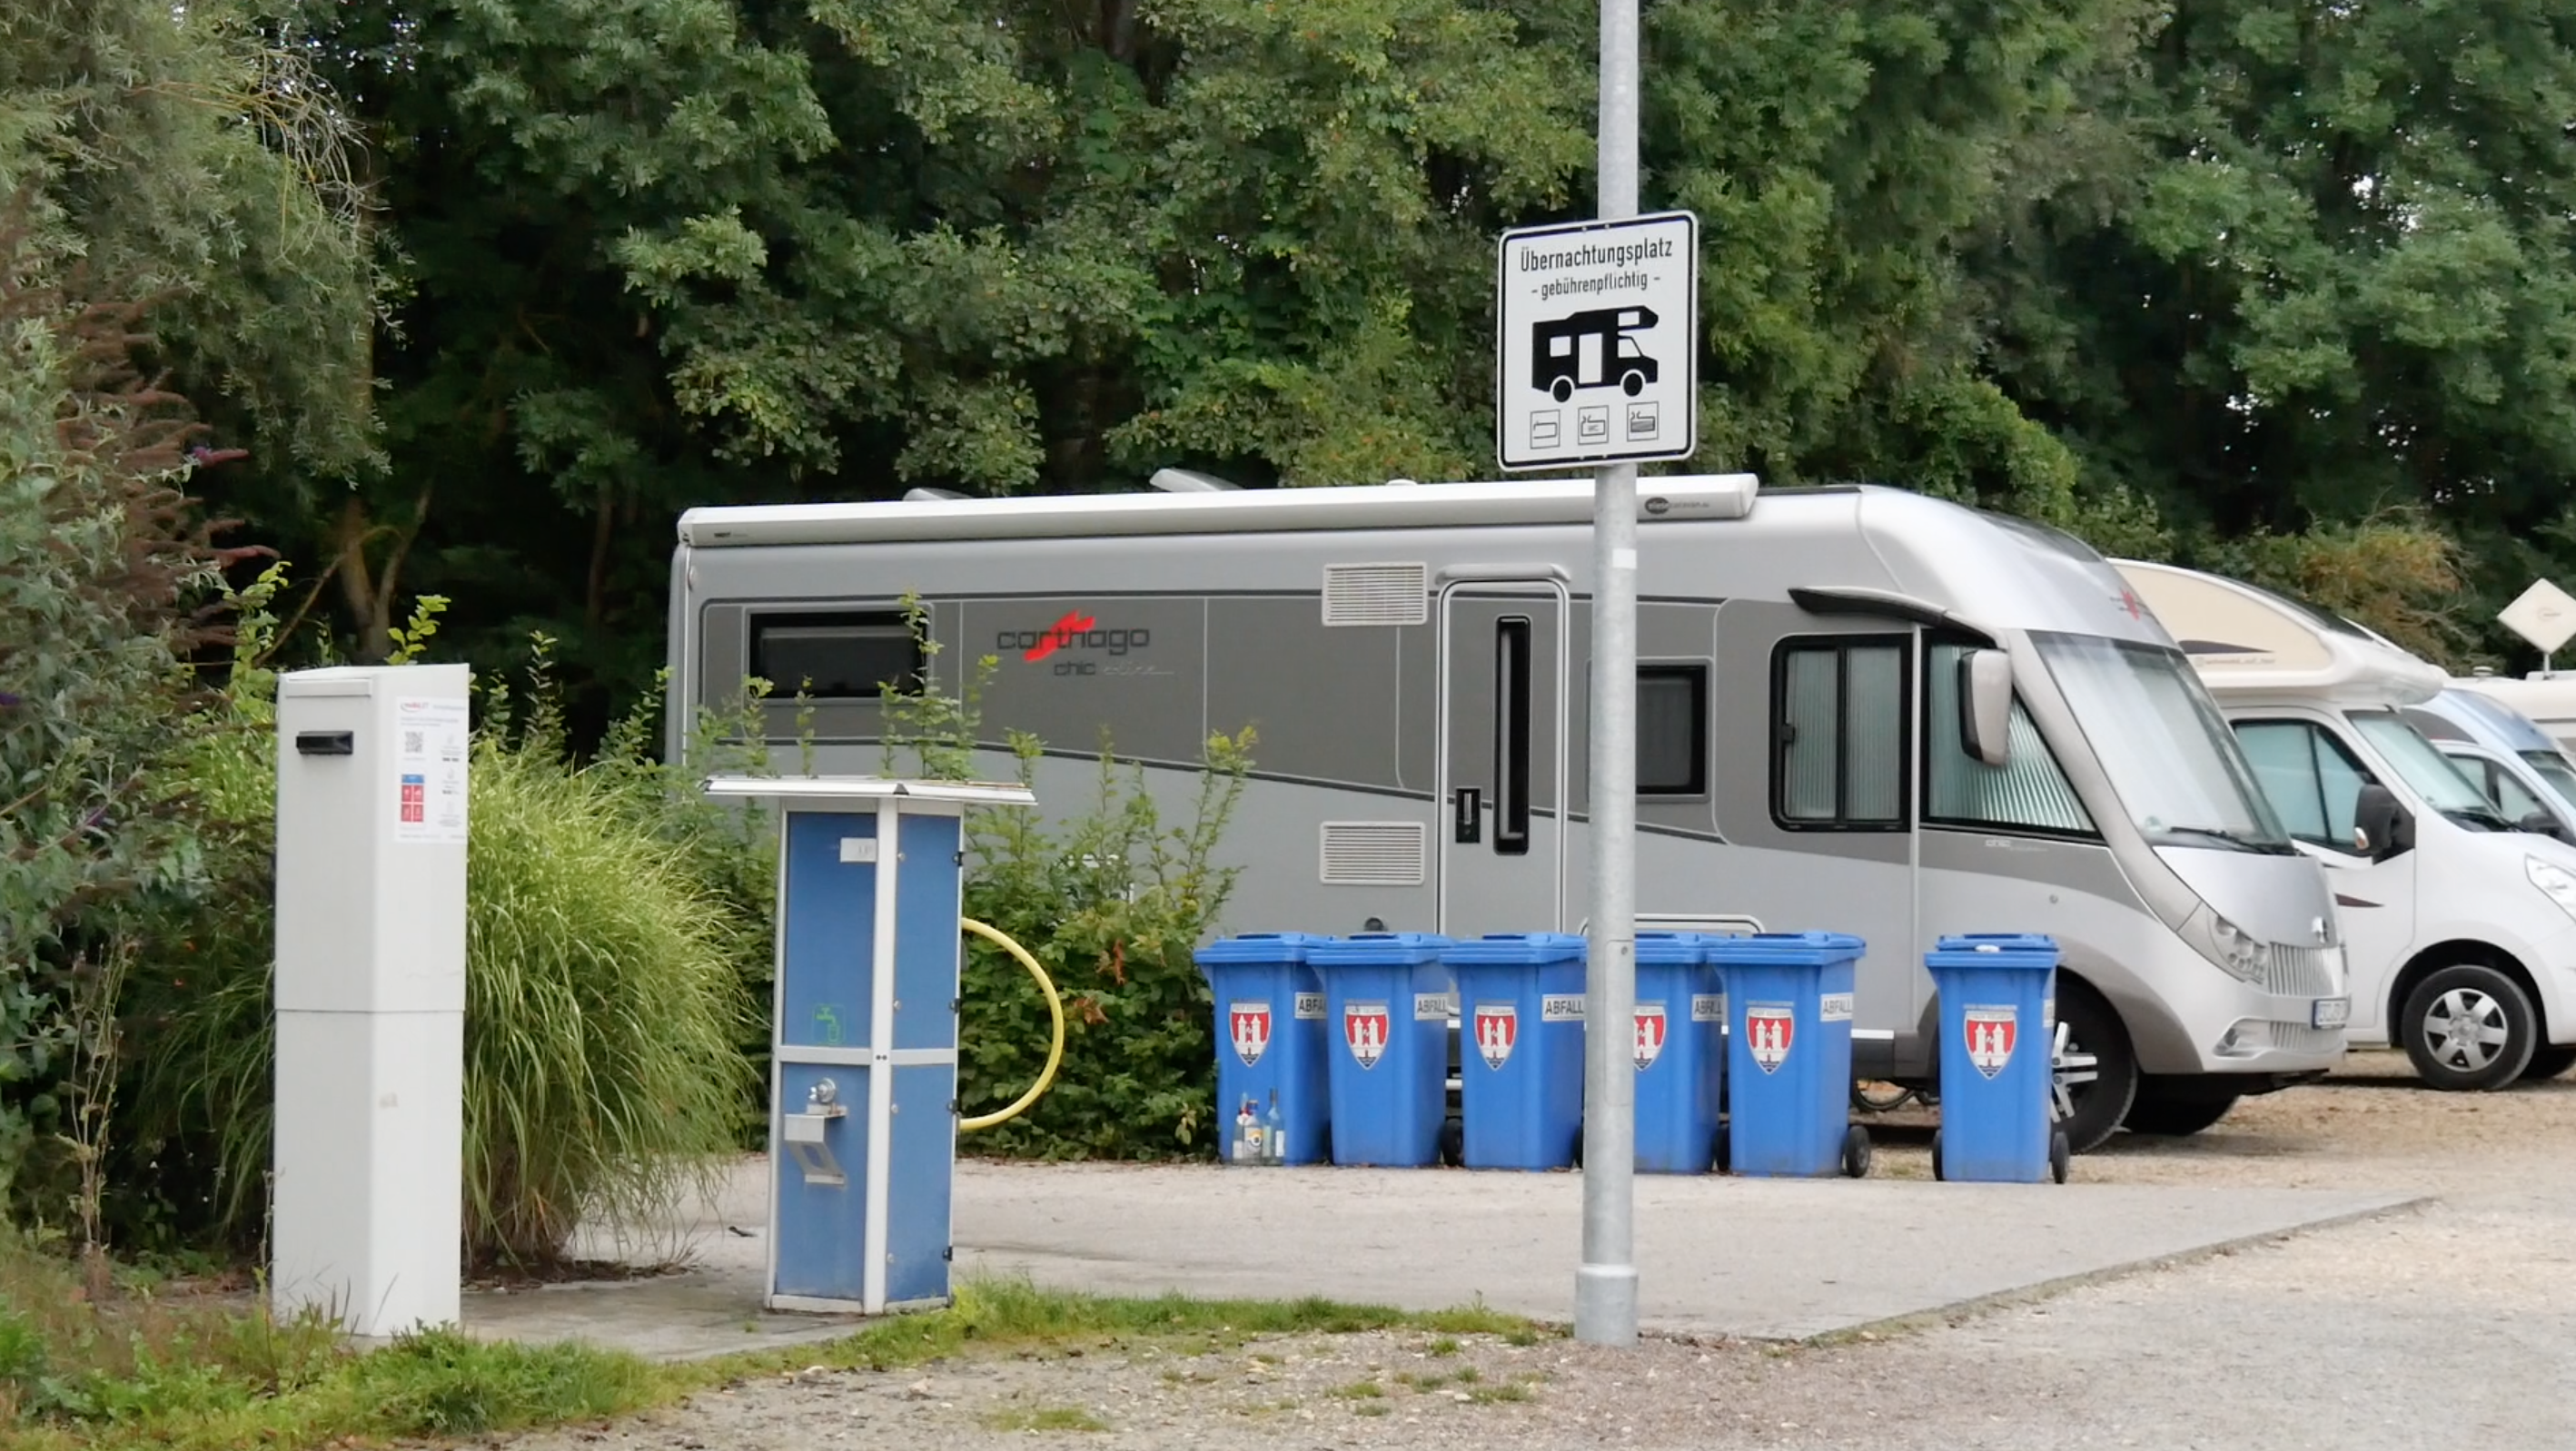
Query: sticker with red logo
pixel 1365 1027
pixel 1651 1030
pixel 1248 1024
pixel 1769 1031
pixel 1991 1033
pixel 1498 1027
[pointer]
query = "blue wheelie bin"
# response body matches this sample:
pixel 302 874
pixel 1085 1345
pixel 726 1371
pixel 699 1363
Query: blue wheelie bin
pixel 1386 1028
pixel 1680 1050
pixel 1998 1044
pixel 1270 1038
pixel 1520 1061
pixel 1788 1055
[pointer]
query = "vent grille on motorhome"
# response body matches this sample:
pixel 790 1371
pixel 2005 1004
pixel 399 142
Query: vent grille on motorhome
pixel 1377 594
pixel 1373 853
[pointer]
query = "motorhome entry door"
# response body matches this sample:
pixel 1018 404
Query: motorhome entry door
pixel 1503 769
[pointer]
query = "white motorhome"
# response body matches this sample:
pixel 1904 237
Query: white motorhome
pixel 1859 709
pixel 2459 928
pixel 2525 775
pixel 2547 697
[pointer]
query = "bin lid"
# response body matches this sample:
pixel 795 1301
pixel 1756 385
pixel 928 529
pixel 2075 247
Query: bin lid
pixel 1673 949
pixel 2027 950
pixel 1257 947
pixel 1783 949
pixel 1508 949
pixel 1377 949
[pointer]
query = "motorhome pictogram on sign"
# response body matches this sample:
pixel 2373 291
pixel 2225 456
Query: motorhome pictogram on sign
pixel 1991 1033
pixel 1498 1027
pixel 1248 1024
pixel 1365 1027
pixel 1769 1031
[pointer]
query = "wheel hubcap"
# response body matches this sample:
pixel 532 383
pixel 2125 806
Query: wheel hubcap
pixel 2466 1029
pixel 2073 1068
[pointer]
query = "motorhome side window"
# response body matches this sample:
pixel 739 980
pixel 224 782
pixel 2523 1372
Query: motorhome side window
pixel 1672 730
pixel 2308 776
pixel 2029 792
pixel 1838 732
pixel 842 655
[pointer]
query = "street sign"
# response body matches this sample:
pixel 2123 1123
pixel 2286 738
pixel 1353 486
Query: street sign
pixel 2543 614
pixel 1598 355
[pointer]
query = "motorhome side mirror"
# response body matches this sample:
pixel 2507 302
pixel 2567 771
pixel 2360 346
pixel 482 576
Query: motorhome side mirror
pixel 2380 827
pixel 1985 705
pixel 2541 823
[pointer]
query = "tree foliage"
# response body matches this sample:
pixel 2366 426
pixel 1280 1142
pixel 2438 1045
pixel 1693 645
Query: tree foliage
pixel 100 566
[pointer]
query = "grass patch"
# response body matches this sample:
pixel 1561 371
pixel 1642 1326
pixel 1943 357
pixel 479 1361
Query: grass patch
pixel 1485 1395
pixel 1012 1314
pixel 1360 1390
pixel 1369 1408
pixel 1044 1418
pixel 175 1372
pixel 1445 1345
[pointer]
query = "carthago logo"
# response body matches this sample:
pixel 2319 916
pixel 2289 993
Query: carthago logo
pixel 1075 633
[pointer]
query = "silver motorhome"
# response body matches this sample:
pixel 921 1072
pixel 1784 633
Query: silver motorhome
pixel 1413 658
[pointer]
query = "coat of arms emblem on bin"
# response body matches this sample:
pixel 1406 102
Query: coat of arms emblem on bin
pixel 1650 1034
pixel 1769 1029
pixel 1990 1033
pixel 1249 1025
pixel 1364 1027
pixel 1498 1027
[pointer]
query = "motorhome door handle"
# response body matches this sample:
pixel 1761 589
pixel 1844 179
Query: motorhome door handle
pixel 1471 821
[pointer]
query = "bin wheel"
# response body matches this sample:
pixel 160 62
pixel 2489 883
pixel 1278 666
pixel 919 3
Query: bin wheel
pixel 2060 1154
pixel 1453 1143
pixel 1856 1153
pixel 1936 1153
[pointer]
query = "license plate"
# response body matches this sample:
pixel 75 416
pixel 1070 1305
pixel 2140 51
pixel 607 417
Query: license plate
pixel 2331 1012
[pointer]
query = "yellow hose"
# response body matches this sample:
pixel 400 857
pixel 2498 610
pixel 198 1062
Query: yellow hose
pixel 1055 1010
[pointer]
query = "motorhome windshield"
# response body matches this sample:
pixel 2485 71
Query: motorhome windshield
pixel 2426 771
pixel 2169 754
pixel 2553 770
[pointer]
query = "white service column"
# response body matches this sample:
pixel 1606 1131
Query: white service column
pixel 371 823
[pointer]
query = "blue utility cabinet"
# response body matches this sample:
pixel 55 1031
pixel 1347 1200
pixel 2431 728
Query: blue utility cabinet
pixel 863 1038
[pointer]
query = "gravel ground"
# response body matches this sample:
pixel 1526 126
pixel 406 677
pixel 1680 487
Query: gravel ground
pixel 2451 1324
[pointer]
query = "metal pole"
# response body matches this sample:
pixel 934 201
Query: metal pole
pixel 1605 1285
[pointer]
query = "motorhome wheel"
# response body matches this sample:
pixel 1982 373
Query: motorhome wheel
pixel 2549 1062
pixel 2468 1028
pixel 2090 1110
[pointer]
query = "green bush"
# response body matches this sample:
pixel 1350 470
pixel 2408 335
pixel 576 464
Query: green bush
pixel 100 568
pixel 1112 901
pixel 605 1005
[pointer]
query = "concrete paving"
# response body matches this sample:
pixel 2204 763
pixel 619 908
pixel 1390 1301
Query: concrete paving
pixel 1763 1259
